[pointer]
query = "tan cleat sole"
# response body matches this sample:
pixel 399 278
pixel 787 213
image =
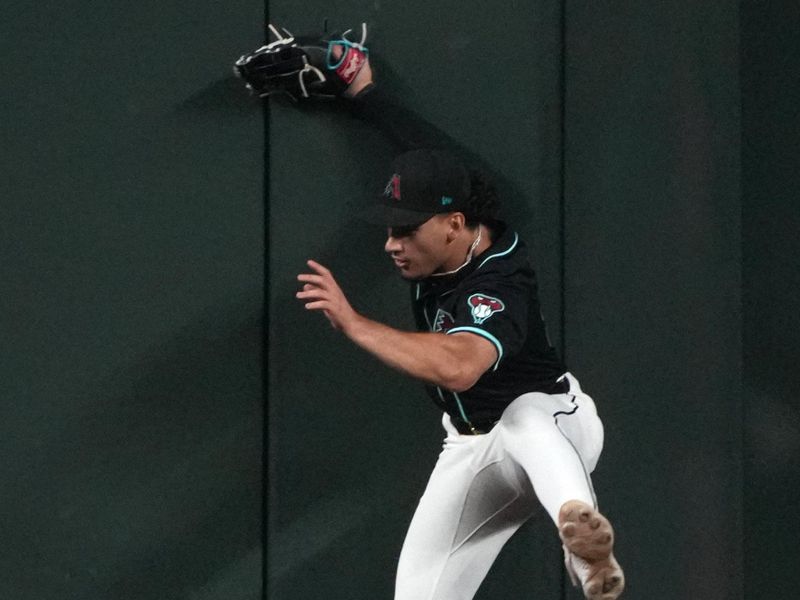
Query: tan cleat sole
pixel 588 540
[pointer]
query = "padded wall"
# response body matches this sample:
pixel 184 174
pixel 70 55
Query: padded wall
pixel 651 263
pixel 771 178
pixel 131 304
pixel 131 313
pixel 352 443
pixel 653 291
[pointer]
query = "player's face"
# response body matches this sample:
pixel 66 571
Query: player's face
pixel 421 250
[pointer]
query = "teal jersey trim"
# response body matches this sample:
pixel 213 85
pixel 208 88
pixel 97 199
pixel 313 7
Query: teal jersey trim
pixel 486 335
pixel 427 319
pixel 511 249
pixel 458 401
pixel 461 409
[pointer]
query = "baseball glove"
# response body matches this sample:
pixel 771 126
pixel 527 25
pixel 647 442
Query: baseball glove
pixel 303 67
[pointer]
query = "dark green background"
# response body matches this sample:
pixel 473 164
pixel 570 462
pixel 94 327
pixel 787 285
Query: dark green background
pixel 650 156
pixel 131 305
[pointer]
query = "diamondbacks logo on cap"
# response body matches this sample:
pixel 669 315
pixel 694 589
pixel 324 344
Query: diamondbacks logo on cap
pixel 392 189
pixel 483 307
pixel 443 321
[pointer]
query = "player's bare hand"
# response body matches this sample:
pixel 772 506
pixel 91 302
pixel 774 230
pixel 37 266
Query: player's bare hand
pixel 322 292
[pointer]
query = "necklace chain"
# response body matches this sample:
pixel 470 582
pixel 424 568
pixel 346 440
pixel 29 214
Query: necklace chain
pixel 469 256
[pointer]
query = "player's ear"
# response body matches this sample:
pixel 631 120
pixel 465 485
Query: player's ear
pixel 457 223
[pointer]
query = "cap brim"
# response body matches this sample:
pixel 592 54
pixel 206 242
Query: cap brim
pixel 390 216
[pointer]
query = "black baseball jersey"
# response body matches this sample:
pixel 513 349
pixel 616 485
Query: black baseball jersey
pixel 494 296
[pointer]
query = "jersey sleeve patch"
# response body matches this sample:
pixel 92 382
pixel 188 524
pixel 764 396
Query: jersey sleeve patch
pixel 482 307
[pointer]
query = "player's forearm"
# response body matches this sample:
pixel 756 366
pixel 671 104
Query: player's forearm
pixel 430 357
pixel 406 129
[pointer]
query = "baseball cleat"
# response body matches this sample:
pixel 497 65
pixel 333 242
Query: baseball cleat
pixel 588 540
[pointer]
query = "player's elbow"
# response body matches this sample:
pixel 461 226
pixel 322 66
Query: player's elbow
pixel 469 357
pixel 460 379
pixel 461 386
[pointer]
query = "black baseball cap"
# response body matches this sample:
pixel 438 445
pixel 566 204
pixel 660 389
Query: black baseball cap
pixel 423 183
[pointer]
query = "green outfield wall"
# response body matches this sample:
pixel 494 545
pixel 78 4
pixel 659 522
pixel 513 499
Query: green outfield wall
pixel 174 425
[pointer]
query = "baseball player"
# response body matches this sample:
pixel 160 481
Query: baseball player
pixel 519 430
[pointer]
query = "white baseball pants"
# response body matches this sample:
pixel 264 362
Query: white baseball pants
pixel 484 487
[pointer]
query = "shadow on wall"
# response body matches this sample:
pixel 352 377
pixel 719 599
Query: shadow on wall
pixel 340 513
pixel 155 491
pixel 225 97
pixel 348 433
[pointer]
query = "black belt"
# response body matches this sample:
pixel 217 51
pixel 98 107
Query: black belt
pixel 481 427
pixel 465 428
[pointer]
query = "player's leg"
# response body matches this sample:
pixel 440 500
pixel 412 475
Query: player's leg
pixel 557 464
pixel 558 439
pixel 474 501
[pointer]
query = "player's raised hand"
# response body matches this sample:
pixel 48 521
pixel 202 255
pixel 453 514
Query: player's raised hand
pixel 304 67
pixel 322 292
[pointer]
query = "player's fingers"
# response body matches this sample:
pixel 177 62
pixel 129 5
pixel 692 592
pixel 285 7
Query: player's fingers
pixel 316 280
pixel 312 294
pixel 318 305
pixel 318 267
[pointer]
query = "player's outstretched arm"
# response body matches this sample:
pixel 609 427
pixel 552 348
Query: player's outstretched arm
pixel 329 66
pixel 453 362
